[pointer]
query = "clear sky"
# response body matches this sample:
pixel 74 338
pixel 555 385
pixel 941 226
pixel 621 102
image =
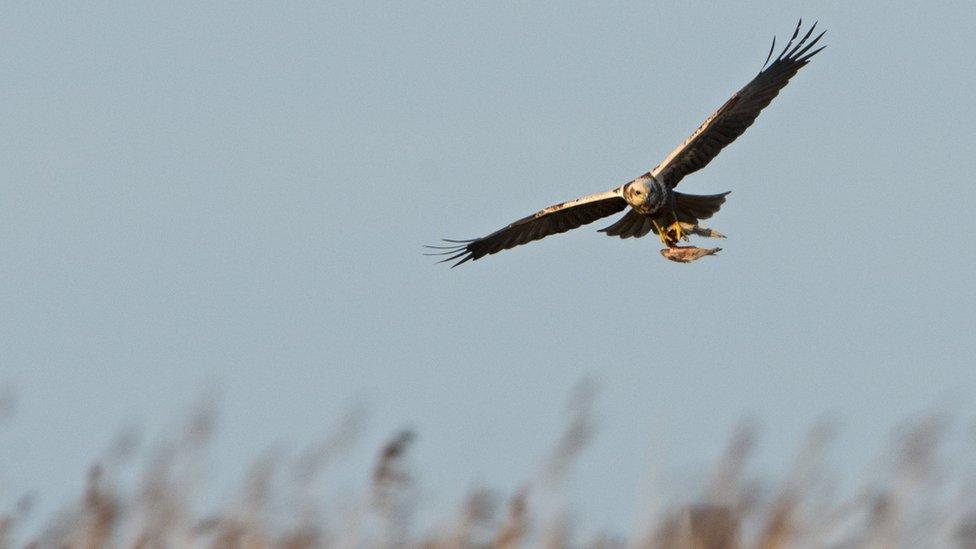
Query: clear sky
pixel 235 197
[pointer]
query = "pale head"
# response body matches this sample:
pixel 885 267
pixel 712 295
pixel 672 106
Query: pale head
pixel 638 192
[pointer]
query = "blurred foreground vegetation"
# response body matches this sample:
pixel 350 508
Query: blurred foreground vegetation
pixel 916 501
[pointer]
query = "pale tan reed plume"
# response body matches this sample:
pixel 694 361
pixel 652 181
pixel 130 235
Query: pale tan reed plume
pixel 913 497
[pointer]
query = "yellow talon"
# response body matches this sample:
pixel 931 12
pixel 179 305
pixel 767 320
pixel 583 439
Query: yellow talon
pixel 679 233
pixel 662 234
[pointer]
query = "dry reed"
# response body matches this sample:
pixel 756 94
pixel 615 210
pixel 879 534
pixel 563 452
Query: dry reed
pixel 919 502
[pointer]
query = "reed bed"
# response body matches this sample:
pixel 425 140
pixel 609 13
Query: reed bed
pixel 917 500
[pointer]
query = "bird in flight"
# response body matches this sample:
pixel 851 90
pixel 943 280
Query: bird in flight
pixel 654 204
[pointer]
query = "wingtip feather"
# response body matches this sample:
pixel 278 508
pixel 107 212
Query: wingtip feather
pixel 769 55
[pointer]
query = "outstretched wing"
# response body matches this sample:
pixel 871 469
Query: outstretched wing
pixel 552 220
pixel 739 112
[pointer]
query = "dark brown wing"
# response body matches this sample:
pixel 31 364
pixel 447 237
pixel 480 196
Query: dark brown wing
pixel 739 112
pixel 552 220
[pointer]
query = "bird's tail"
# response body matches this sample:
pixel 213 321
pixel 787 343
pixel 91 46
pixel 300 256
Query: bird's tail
pixel 690 208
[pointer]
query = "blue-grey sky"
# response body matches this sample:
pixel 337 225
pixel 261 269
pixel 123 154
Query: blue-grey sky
pixel 235 196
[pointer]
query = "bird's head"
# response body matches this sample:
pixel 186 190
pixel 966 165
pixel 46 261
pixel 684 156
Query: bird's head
pixel 638 192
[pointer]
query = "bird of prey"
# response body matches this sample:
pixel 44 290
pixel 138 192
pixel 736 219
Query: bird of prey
pixel 654 204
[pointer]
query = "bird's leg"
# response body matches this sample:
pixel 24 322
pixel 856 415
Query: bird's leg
pixel 679 233
pixel 673 233
pixel 662 234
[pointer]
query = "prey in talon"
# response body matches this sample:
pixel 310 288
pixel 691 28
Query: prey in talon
pixel 651 201
pixel 687 254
